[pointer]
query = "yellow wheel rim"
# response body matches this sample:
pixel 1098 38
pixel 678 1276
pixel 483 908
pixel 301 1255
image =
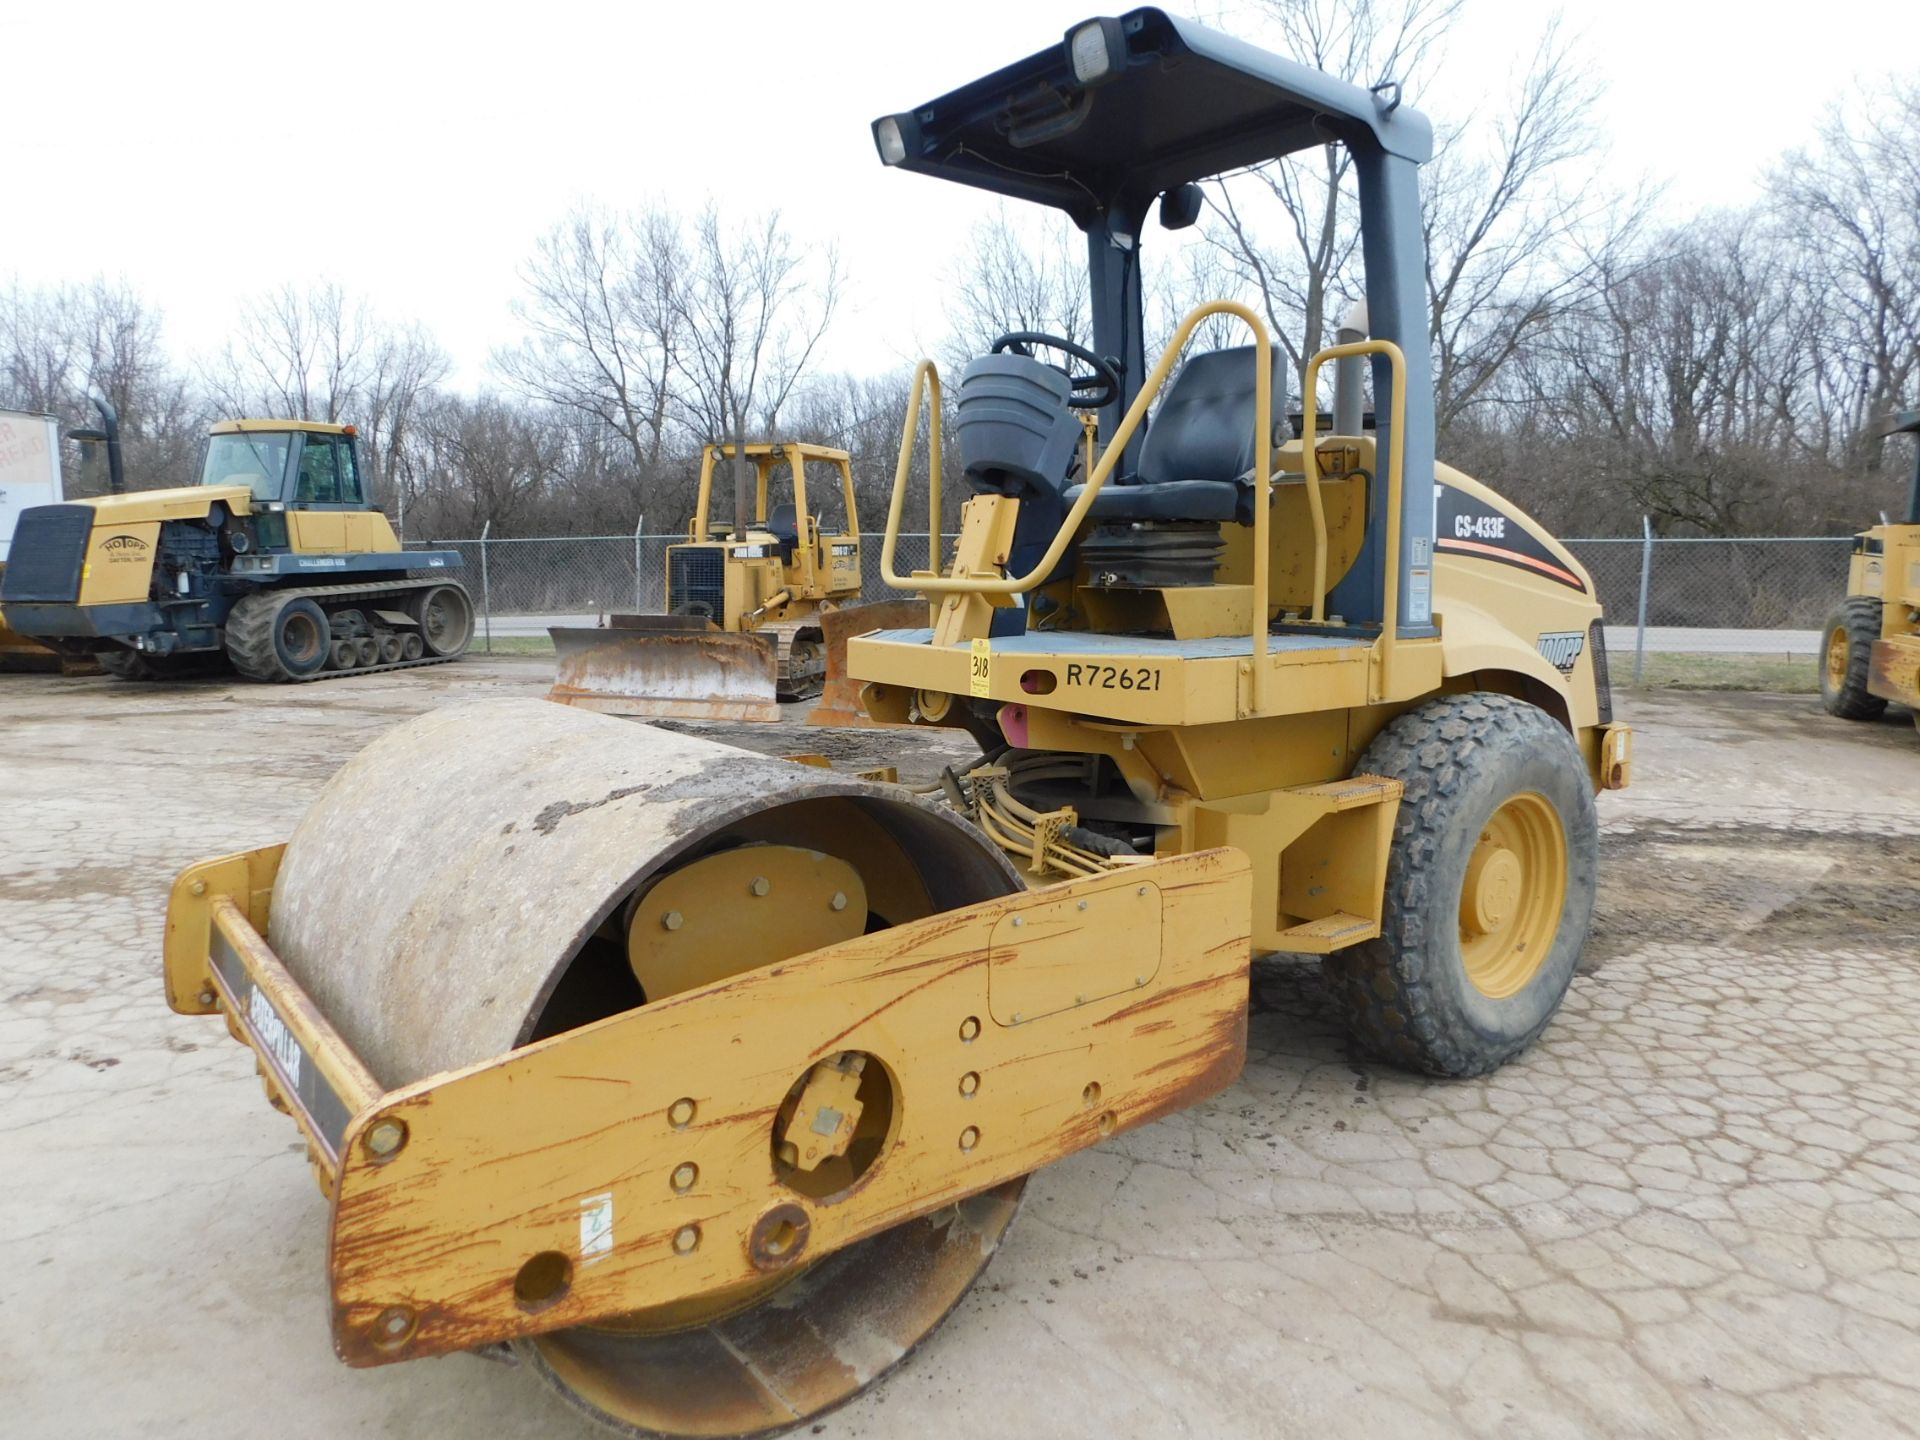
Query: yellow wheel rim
pixel 1514 892
pixel 1837 647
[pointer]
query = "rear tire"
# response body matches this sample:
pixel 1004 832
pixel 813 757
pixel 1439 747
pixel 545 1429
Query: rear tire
pixel 1490 886
pixel 1846 659
pixel 445 614
pixel 275 639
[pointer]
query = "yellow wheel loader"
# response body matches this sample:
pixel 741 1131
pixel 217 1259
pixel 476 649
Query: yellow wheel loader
pixel 1872 650
pixel 276 565
pixel 709 1082
pixel 750 613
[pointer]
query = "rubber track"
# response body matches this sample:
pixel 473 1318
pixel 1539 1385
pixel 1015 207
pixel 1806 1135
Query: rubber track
pixel 1862 616
pixel 324 593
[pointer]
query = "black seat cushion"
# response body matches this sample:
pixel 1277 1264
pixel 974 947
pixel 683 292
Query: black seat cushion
pixel 1200 448
pixel 1204 428
pixel 785 527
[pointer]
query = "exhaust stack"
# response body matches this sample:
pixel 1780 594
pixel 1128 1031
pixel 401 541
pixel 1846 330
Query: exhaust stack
pixel 1349 374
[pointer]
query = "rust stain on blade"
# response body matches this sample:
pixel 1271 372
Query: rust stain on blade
pixel 839 702
pixel 666 673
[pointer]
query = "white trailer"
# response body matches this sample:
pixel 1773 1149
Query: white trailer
pixel 29 475
pixel 29 467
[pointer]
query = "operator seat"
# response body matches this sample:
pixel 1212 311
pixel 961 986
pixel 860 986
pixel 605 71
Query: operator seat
pixel 1197 460
pixel 784 525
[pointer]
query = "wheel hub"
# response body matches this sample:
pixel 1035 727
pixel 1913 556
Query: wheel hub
pixel 1837 647
pixel 1494 878
pixel 1512 895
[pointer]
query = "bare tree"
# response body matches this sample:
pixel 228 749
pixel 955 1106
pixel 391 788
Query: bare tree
pixel 317 354
pixel 1506 225
pixel 752 313
pixel 1851 200
pixel 602 307
pixel 1296 278
pixel 1022 273
pixel 61 344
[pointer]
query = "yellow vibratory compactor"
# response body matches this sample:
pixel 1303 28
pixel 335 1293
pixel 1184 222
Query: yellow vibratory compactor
pixel 709 1082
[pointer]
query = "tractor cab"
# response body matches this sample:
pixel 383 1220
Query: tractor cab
pixel 1113 518
pixel 286 463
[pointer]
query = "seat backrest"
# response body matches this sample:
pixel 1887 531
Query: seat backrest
pixel 1204 427
pixel 1013 426
pixel 784 524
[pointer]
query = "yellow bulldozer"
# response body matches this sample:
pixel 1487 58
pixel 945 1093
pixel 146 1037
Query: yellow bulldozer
pixel 753 610
pixel 1871 654
pixel 710 1082
pixel 276 565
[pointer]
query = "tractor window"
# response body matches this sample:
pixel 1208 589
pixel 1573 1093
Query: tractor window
pixel 350 492
pixel 319 473
pixel 257 460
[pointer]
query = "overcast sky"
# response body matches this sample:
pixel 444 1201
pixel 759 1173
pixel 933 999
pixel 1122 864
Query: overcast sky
pixel 205 152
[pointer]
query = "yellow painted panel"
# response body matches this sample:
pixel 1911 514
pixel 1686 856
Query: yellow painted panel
pixel 119 564
pixel 317 532
pixel 617 1107
pixel 368 533
pixel 186 502
pixel 1057 954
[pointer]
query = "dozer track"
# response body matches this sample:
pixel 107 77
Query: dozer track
pixel 250 629
pixel 801 659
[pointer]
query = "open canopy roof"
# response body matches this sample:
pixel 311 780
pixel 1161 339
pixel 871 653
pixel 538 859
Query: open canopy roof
pixel 1126 109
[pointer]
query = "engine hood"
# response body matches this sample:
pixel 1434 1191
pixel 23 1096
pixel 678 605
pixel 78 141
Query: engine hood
pixel 189 502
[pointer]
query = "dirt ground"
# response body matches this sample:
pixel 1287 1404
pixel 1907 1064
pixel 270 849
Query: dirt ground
pixel 1694 1209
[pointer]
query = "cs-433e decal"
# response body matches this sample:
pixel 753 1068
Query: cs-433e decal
pixel 1468 525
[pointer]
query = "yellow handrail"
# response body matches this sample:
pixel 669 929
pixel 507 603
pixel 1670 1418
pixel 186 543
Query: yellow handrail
pixel 1116 447
pixel 1310 463
pixel 930 373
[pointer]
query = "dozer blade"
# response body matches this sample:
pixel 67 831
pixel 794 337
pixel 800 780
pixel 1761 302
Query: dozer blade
pixel 665 667
pixel 840 696
pixel 708 1081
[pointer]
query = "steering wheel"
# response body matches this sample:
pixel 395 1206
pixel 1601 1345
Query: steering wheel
pixel 1099 387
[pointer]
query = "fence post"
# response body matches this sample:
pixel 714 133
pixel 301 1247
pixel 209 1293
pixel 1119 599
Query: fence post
pixel 1646 577
pixel 639 526
pixel 486 588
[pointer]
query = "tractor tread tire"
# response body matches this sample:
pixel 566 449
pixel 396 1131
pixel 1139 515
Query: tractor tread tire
pixel 1405 995
pixel 249 637
pixel 1860 616
pixel 254 629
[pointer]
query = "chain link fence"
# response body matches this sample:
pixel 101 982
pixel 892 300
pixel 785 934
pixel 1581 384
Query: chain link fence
pixel 523 585
pixel 1768 590
pixel 1778 583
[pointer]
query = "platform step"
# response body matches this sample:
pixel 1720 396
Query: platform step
pixel 1353 792
pixel 1327 934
